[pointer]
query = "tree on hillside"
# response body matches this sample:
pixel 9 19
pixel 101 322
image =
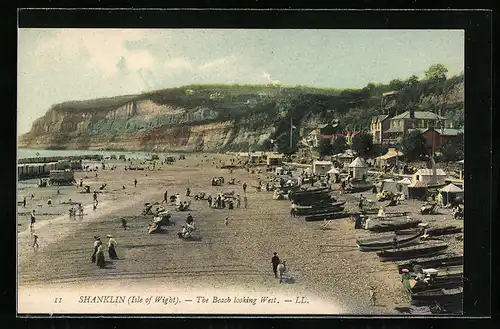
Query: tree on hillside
pixel 412 80
pixel 453 150
pixel 325 147
pixel 362 144
pixel 396 84
pixel 413 145
pixel 339 144
pixel 436 72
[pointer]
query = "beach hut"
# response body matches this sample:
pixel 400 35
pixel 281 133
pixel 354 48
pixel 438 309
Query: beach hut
pixel 403 186
pixel 450 192
pixel 426 175
pixel 358 169
pixel 335 174
pixel 417 190
pixel 274 159
pixel 389 185
pixel 321 167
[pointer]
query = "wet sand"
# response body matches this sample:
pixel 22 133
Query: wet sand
pixel 321 264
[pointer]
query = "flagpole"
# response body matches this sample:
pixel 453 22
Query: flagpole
pixel 291 133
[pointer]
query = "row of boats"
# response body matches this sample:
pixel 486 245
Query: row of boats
pixel 432 278
pixel 317 204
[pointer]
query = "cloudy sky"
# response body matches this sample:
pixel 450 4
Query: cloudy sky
pixel 57 65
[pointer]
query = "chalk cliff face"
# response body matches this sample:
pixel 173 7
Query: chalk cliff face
pixel 145 125
pixel 214 118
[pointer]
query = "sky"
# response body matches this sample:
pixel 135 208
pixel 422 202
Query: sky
pixel 58 65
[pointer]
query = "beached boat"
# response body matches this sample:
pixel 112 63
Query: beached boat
pixel 327 216
pixel 421 285
pixel 382 243
pixel 438 295
pixel 412 251
pixel 356 186
pixel 441 261
pixel 320 205
pixel 316 202
pixel 307 212
pixel 311 191
pixel 393 225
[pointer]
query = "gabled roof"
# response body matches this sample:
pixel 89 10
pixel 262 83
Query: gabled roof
pixel 417 183
pixel 419 115
pixel 358 163
pixel 380 118
pixel 451 188
pixel 443 132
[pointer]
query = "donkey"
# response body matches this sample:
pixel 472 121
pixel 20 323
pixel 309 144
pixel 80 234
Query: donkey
pixel 281 269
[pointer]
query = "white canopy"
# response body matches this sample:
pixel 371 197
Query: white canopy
pixel 451 188
pixel 405 180
pixel 334 171
pixel 357 163
pixel 388 180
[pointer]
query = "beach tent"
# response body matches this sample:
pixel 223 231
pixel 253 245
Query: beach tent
pixel 450 192
pixel 417 190
pixel 334 172
pixel 403 185
pixel 389 185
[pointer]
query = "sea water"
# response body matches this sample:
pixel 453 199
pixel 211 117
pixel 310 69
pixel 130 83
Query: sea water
pixel 32 153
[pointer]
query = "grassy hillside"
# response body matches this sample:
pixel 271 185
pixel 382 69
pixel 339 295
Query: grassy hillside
pixel 256 106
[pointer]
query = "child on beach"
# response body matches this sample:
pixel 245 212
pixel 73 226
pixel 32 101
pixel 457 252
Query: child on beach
pixel 32 221
pixel 35 242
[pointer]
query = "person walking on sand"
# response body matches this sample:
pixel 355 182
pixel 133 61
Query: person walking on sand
pixel 32 196
pixel 245 187
pixel 81 182
pixel 24 202
pixel 49 202
pixel 95 198
pixel 124 224
pixel 275 261
pixel 32 221
pixel 135 182
pixel 97 243
pixel 165 197
pixel 101 261
pixel 226 221
pixel 80 210
pixel 35 242
pixel 112 247
pixel 245 201
pixel 238 201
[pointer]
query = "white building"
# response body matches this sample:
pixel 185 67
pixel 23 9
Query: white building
pixel 322 167
pixel 358 169
pixel 425 176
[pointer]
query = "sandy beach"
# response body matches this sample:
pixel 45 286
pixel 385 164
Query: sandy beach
pixel 324 265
